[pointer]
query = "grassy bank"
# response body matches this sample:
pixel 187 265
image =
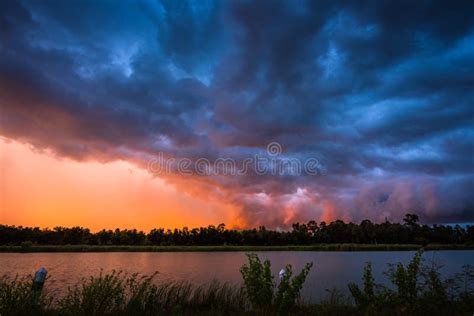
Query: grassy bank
pixel 317 247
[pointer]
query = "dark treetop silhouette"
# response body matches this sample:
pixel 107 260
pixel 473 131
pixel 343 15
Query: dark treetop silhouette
pixel 301 234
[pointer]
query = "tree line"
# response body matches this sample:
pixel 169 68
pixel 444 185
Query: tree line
pixel 367 232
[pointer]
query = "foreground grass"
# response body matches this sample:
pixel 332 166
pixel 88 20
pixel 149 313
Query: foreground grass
pixel 150 248
pixel 117 293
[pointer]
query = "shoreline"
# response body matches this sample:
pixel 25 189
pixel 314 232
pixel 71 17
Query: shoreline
pixel 226 248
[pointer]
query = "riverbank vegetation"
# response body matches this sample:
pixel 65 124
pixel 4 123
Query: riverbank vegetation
pixel 30 247
pixel 417 289
pixel 307 234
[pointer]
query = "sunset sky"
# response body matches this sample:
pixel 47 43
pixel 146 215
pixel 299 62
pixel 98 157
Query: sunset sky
pixel 94 93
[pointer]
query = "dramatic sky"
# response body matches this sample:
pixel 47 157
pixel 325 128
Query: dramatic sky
pixel 91 92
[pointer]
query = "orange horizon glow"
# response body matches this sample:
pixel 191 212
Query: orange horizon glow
pixel 40 190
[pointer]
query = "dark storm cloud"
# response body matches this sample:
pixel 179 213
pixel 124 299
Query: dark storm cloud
pixel 380 93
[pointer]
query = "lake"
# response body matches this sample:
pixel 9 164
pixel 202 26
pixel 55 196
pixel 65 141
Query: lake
pixel 330 269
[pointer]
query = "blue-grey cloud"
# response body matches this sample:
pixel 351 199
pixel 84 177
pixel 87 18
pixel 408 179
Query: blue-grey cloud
pixel 381 93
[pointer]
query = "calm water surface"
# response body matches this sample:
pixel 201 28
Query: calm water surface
pixel 330 269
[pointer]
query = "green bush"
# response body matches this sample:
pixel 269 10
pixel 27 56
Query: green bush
pixel 374 299
pixel 289 289
pixel 367 299
pixel 262 291
pixel 258 282
pixel 417 289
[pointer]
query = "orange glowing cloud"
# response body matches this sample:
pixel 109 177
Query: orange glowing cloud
pixel 39 189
